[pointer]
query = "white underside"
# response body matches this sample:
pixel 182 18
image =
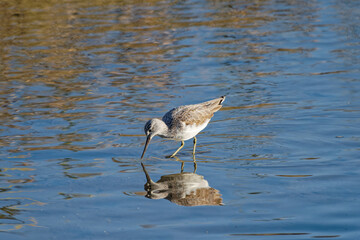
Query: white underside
pixel 189 131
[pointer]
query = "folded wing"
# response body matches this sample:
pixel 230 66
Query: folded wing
pixel 193 114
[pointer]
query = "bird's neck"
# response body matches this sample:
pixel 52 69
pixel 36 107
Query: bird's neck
pixel 164 129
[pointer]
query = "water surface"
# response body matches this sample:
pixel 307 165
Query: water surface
pixel 79 79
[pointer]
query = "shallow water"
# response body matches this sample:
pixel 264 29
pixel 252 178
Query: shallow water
pixel 79 79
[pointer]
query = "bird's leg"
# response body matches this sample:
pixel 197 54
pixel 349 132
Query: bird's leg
pixel 195 164
pixel 194 146
pixel 182 144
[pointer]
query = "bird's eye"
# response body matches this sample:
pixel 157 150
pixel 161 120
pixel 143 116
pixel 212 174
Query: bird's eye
pixel 149 130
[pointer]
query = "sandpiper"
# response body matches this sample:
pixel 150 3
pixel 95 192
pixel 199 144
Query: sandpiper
pixel 182 123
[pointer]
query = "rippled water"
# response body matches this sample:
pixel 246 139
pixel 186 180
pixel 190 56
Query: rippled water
pixel 79 79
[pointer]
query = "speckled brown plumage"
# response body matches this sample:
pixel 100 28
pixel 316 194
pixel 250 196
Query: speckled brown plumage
pixel 193 114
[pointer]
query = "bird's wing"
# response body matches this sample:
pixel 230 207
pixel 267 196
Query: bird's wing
pixel 193 114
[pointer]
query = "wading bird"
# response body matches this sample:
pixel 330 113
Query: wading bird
pixel 182 123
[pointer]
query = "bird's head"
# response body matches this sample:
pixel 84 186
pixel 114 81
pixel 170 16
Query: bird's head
pixel 152 128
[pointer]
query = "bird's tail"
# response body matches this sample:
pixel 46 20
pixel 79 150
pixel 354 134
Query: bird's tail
pixel 215 104
pixel 222 99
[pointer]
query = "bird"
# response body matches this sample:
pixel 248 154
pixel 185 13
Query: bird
pixel 182 123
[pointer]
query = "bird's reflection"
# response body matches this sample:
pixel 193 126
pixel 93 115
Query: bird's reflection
pixel 184 188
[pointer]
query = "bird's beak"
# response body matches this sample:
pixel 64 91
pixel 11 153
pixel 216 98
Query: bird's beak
pixel 148 138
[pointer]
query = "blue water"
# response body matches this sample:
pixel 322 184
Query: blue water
pixel 79 80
